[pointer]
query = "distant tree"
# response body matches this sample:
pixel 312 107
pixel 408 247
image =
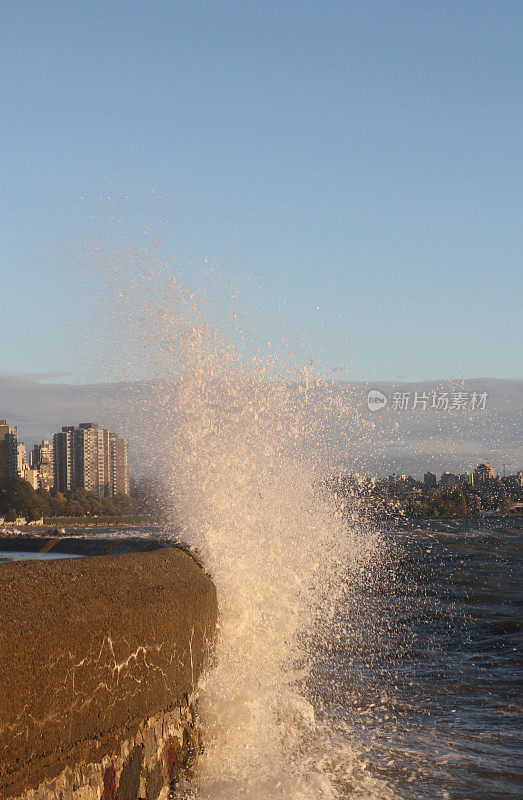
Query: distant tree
pixel 475 505
pixel 20 496
pixel 451 509
pixel 86 501
pixel 73 508
pixel 32 514
pixel 11 515
pixel 125 505
pixel 108 507
pixel 57 502
pixel 433 495
pixel 460 502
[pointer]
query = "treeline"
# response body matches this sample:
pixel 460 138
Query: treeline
pixel 19 499
pixel 412 499
pixel 433 503
pixel 150 497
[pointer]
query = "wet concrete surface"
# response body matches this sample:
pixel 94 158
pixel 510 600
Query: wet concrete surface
pixel 90 647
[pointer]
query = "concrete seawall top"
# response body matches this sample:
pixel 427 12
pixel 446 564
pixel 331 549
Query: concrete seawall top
pixel 89 647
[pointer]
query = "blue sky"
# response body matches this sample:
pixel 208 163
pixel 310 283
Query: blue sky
pixel 361 160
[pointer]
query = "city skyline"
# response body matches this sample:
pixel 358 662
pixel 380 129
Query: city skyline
pixel 91 458
pixel 84 456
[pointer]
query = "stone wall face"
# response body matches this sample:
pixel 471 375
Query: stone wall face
pixel 148 765
pixel 99 660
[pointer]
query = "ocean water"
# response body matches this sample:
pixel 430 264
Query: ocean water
pixel 19 555
pixel 432 700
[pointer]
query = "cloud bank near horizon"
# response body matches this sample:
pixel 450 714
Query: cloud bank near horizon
pixel 392 440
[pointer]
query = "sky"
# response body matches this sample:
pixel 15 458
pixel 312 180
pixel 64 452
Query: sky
pixel 357 164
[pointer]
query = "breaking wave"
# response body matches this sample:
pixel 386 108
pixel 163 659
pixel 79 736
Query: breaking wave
pixel 244 442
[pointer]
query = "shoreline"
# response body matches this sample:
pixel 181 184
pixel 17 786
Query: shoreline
pixel 60 525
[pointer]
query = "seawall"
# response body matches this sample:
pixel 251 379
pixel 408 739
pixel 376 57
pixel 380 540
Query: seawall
pixel 99 659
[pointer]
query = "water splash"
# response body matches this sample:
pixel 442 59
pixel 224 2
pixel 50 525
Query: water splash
pixel 250 498
pixel 246 452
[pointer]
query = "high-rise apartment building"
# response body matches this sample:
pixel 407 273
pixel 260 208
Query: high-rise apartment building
pixel 119 464
pixel 20 458
pixel 8 452
pixel 42 462
pixel 89 457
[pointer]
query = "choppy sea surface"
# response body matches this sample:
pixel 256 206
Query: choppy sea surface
pixel 433 692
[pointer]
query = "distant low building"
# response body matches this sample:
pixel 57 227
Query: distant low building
pixel 394 478
pixel 29 475
pixel 484 473
pixel 448 482
pixel 430 480
pixel 514 483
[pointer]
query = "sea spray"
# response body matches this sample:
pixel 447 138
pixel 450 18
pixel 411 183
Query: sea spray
pixel 243 441
pixel 252 499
